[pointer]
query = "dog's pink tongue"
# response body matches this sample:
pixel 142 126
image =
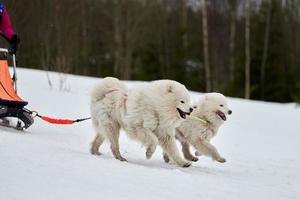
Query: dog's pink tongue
pixel 221 114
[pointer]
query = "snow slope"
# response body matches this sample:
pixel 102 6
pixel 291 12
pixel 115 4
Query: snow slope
pixel 261 142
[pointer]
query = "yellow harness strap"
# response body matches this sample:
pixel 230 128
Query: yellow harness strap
pixel 203 121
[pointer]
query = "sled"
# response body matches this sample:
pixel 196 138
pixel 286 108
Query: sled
pixel 11 105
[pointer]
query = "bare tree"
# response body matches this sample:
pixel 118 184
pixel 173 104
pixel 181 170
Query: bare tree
pixel 125 36
pixel 205 46
pixel 83 31
pixel 232 11
pixel 128 41
pixel 117 37
pixel 247 49
pixel 266 47
pixel 183 17
pixel 164 54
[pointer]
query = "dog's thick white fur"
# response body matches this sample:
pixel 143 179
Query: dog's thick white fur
pixel 149 113
pixel 213 109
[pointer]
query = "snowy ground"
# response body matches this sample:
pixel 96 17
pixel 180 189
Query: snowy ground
pixel 261 142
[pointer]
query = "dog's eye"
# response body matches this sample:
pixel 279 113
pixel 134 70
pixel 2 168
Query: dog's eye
pixel 181 101
pixel 222 105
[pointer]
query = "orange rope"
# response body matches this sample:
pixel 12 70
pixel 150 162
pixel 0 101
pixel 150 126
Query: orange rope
pixel 54 120
pixel 57 121
pixel 65 121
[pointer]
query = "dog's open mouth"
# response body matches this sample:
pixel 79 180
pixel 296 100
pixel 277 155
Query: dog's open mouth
pixel 221 115
pixel 182 113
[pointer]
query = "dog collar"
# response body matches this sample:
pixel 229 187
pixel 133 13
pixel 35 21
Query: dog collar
pixel 203 121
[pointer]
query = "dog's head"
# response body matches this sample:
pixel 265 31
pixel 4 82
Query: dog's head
pixel 214 107
pixel 176 98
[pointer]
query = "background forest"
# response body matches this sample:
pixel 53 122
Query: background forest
pixel 242 48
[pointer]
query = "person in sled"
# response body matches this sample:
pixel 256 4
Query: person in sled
pixel 7 31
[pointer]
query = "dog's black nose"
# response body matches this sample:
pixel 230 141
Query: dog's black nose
pixel 191 109
pixel 229 112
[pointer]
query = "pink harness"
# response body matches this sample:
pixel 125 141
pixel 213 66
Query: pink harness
pixel 125 99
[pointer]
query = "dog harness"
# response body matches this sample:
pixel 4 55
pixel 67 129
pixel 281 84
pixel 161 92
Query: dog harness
pixel 203 121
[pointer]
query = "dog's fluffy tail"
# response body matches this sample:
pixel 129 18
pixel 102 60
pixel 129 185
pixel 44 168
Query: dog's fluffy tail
pixel 106 86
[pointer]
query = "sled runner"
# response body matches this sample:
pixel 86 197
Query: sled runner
pixel 11 105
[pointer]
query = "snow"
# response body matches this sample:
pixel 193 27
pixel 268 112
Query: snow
pixel 260 141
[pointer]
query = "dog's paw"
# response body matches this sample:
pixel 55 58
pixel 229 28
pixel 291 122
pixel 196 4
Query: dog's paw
pixel 194 159
pixel 122 159
pixel 191 158
pixel 221 160
pixel 166 158
pixel 95 152
pixel 186 164
pixel 149 153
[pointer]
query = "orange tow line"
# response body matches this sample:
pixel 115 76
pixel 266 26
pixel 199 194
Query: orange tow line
pixel 57 121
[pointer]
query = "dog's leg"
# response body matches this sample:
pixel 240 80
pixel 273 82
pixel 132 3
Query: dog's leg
pixel 96 144
pixel 209 150
pixel 146 137
pixel 185 146
pixel 113 137
pixel 151 144
pixel 186 151
pixel 168 143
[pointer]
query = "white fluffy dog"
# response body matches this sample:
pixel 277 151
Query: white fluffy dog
pixel 208 115
pixel 149 113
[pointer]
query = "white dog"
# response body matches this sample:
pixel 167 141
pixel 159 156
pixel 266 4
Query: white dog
pixel 149 113
pixel 208 115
